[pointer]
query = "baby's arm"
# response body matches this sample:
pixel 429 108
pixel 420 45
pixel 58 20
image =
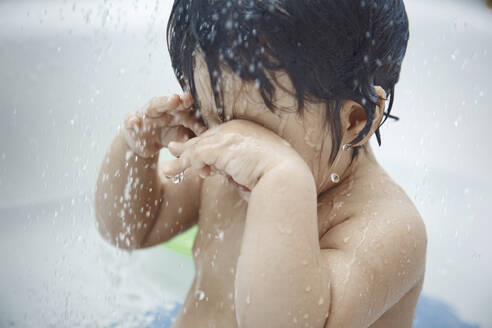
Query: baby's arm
pixel 135 206
pixel 283 277
pixel 278 282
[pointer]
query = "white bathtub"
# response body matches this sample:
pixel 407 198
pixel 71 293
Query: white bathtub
pixel 69 73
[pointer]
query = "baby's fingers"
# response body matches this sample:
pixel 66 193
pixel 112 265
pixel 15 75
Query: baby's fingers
pixel 175 166
pixel 205 172
pixel 132 121
pixel 188 120
pixel 179 134
pixel 187 100
pixel 159 105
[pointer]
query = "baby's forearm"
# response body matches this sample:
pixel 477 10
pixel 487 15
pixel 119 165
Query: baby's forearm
pixel 279 266
pixel 128 195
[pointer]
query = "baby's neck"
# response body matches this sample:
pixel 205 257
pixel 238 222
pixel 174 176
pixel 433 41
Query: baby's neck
pixel 363 164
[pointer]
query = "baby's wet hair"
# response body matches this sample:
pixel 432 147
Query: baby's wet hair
pixel 332 50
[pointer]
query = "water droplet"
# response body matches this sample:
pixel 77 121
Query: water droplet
pixel 248 300
pixel 308 288
pixel 335 178
pixel 346 147
pixel 128 155
pixel 220 235
pixel 321 301
pixel 178 178
pixel 180 210
pixel 200 294
pixel 346 239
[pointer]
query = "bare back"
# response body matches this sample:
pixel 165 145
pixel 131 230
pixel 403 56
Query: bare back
pixel 210 300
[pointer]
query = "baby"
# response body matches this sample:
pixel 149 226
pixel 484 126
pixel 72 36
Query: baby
pixel 298 225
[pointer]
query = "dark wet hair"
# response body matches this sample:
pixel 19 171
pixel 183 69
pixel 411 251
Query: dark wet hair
pixel 332 50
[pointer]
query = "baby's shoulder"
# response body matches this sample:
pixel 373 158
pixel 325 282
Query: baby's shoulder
pixel 379 216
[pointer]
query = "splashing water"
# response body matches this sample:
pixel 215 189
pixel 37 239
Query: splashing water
pixel 178 178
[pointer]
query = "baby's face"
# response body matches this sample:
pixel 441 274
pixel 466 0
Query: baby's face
pixel 243 101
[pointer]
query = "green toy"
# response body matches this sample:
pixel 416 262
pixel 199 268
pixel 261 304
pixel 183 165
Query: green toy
pixel 183 243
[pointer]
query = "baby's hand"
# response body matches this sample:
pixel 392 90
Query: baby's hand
pixel 160 121
pixel 239 150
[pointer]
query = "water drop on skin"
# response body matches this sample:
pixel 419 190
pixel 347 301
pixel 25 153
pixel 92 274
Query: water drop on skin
pixel 335 178
pixel 308 289
pixel 178 178
pixel 200 294
pixel 220 235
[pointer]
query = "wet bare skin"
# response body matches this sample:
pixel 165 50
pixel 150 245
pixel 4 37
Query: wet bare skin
pixel 371 237
pixel 210 300
pixel 368 270
pixel 297 248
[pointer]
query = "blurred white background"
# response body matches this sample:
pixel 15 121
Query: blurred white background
pixel 70 70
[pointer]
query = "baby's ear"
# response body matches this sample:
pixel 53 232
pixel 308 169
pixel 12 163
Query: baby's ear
pixel 353 118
